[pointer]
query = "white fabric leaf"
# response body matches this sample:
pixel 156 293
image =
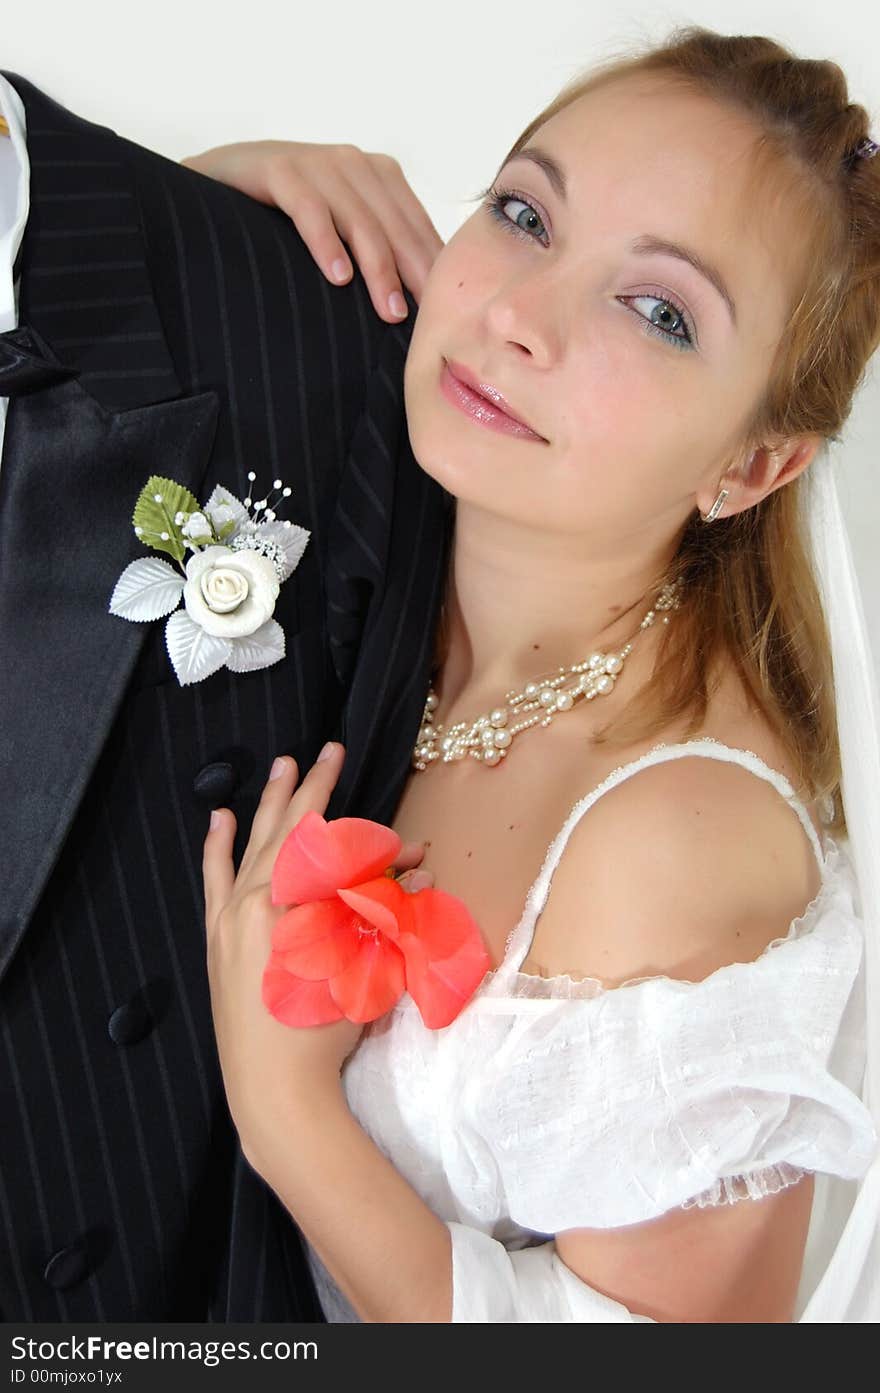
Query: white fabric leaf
pixel 262 648
pixel 147 589
pixel 292 541
pixel 194 653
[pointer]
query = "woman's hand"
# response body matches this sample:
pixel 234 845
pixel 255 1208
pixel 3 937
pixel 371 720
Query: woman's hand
pixel 339 191
pixel 264 1062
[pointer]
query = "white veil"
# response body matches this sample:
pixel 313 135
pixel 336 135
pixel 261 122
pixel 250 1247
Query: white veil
pixel 841 1275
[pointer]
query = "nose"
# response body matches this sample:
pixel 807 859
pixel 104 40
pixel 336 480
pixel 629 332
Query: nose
pixel 526 313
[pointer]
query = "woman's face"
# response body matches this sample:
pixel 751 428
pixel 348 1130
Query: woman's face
pixel 548 303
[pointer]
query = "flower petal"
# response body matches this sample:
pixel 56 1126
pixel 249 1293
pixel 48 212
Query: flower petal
pixel 373 982
pixel 204 559
pixel 440 986
pixel 317 857
pixel 316 940
pixel 296 1002
pixel 382 903
pixel 442 922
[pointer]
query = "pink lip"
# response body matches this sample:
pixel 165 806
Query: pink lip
pixel 482 402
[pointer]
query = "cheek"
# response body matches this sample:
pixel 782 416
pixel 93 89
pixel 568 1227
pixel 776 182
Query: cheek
pixel 447 324
pixel 630 443
pixel 615 420
pixel 458 279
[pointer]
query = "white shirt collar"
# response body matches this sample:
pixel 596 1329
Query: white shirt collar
pixel 14 198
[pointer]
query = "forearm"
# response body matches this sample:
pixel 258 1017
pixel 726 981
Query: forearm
pixel 386 1250
pixel 390 1255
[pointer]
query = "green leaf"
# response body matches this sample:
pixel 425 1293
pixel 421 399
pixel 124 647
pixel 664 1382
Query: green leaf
pixel 155 518
pixel 225 530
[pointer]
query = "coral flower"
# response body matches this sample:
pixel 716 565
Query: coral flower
pixel 354 940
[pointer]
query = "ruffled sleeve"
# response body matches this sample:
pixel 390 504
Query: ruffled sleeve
pixel 614 1109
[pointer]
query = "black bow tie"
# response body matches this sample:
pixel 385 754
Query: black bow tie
pixel 27 363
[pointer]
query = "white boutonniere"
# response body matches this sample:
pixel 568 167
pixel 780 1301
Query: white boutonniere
pixel 229 584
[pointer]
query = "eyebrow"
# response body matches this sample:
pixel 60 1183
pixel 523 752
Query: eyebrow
pixel 643 245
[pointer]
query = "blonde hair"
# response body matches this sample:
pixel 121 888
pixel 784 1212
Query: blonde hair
pixel 748 581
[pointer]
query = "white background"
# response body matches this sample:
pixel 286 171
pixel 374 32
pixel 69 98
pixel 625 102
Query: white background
pixel 445 86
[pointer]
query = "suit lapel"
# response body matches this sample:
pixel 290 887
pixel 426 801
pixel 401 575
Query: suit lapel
pixel 85 283
pixel 75 457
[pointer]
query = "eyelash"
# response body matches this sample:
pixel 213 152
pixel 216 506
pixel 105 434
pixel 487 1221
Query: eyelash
pixel 494 202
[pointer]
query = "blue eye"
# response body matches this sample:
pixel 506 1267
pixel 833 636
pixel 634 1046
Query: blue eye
pixel 652 325
pixel 523 225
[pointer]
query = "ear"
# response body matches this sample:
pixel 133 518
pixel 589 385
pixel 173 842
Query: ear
pixel 766 469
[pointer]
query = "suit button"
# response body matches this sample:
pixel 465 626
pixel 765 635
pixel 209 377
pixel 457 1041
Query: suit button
pixel 216 783
pixel 68 1266
pixel 130 1023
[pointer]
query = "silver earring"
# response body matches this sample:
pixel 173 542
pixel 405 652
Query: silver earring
pixel 716 506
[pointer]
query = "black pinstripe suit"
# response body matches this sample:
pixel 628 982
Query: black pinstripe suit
pixel 206 343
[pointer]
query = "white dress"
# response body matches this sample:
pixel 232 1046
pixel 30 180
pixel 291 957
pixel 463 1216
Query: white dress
pixel 555 1103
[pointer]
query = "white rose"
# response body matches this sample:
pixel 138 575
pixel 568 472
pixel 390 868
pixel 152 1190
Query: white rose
pixel 230 593
pixel 221 514
pixel 196 525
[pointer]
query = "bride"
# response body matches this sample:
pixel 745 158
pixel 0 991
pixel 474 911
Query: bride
pixel 626 367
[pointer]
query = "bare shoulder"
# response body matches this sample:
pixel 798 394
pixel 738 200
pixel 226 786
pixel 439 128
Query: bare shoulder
pixel 686 865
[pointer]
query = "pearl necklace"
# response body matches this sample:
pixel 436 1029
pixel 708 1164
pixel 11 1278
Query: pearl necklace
pixel 489 737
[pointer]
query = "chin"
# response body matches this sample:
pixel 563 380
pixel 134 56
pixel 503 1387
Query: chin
pixel 427 438
pixel 467 461
pixel 430 455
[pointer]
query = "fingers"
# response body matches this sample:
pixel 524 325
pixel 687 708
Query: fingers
pixel 325 213
pixel 281 807
pixel 319 211
pixel 340 192
pixel 408 877
pixel 337 195
pixel 218 869
pixel 274 800
pixel 410 854
pixel 313 793
pixel 405 244
pixel 418 237
pixel 414 881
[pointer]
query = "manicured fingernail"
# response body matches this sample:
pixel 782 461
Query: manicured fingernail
pixel 216 819
pixel 277 769
pixel 397 304
pixel 339 269
pixel 326 752
pixel 416 881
